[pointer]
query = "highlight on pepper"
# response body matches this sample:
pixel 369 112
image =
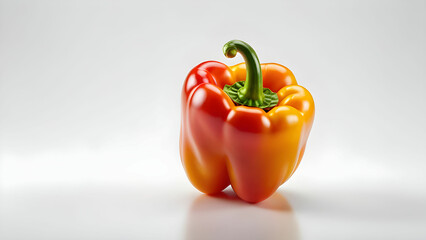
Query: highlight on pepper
pixel 245 125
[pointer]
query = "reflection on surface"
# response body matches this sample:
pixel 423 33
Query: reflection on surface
pixel 225 216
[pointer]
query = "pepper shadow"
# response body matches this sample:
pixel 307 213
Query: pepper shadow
pixel 225 216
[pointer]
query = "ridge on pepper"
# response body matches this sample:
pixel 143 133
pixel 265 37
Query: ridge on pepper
pixel 246 125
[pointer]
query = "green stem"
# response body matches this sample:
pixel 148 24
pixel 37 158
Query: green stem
pixel 252 92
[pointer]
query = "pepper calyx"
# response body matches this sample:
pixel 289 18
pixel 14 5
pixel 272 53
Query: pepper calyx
pixel 270 99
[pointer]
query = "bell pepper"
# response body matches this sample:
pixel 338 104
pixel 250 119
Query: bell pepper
pixel 246 125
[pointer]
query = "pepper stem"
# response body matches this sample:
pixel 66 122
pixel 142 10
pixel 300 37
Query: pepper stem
pixel 252 92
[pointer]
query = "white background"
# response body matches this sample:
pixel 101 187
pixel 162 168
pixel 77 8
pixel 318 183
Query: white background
pixel 90 111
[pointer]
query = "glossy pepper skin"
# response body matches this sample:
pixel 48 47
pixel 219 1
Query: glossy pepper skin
pixel 253 150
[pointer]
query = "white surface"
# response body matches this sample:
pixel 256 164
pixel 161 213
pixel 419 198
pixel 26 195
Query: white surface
pixel 88 150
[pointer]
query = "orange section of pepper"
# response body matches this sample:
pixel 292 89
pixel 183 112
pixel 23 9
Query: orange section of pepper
pixel 253 150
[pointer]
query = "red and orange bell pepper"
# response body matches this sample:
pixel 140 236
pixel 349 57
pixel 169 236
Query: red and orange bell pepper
pixel 246 125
